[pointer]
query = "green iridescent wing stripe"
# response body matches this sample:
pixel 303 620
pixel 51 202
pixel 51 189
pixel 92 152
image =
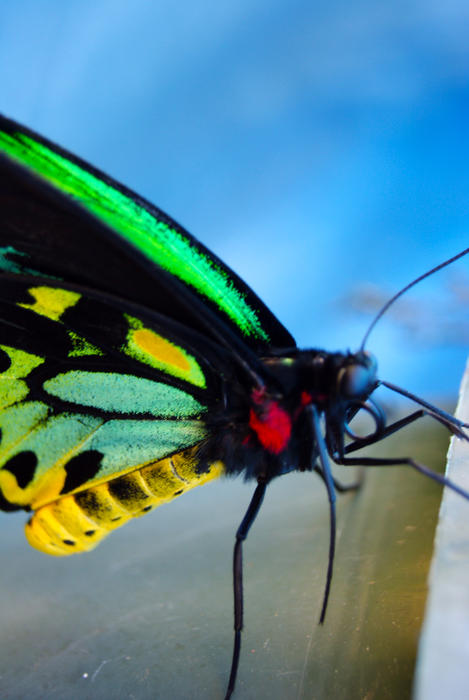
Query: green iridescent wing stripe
pixel 76 412
pixel 158 238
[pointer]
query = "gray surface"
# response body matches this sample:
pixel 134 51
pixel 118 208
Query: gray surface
pixel 149 613
pixel 443 666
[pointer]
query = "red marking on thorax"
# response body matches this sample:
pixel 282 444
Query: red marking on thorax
pixel 273 429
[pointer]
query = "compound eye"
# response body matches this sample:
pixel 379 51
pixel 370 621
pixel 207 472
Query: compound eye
pixel 355 380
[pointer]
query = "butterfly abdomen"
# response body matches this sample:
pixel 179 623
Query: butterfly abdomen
pixel 78 522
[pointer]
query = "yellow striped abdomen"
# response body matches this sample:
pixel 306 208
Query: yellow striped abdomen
pixel 77 523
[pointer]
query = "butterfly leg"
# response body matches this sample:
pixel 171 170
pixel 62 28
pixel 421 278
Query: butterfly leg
pixel 340 450
pixel 386 432
pixel 241 535
pixel 397 425
pixel 325 471
pixel 358 444
pixel 404 461
pixel 452 423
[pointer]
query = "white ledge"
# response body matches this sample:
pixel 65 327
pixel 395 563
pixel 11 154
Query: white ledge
pixel 443 659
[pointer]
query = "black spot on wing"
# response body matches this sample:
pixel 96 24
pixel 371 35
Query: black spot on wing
pixel 22 466
pixel 5 361
pixel 7 506
pixel 81 469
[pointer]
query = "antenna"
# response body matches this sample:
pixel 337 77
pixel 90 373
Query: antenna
pixel 391 301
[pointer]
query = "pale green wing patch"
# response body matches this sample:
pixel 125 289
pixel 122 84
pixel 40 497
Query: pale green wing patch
pixel 122 393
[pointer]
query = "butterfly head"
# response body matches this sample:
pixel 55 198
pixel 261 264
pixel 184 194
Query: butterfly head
pixel 356 376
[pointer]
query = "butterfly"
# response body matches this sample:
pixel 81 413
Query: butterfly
pixel 135 365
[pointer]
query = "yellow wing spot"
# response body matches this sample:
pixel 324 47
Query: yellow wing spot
pixel 35 493
pixel 12 387
pixel 51 302
pixel 82 347
pixel 147 346
pixel 22 363
pixel 161 349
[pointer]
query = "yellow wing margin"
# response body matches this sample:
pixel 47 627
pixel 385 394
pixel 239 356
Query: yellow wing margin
pixel 78 523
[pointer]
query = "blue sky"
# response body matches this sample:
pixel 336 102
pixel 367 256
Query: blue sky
pixel 316 147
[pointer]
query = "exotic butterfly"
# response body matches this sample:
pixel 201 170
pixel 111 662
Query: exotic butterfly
pixel 124 385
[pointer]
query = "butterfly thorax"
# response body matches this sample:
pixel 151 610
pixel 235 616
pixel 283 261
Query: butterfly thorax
pixel 268 432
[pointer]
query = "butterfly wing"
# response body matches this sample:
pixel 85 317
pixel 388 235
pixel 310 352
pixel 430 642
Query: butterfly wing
pixel 62 218
pixel 120 338
pixel 103 405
